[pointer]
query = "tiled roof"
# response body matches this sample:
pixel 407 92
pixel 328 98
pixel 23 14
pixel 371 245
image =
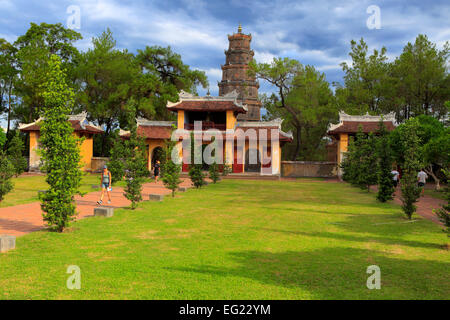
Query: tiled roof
pixel 367 126
pixel 78 122
pixel 205 105
pixel 208 103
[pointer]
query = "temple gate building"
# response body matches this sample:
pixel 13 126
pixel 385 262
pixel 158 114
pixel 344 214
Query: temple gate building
pixel 235 110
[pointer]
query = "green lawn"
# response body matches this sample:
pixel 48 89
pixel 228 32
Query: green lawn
pixel 238 240
pixel 26 188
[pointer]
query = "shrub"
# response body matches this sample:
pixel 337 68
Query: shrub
pixel 6 173
pixel 214 172
pixel 443 214
pixel 15 154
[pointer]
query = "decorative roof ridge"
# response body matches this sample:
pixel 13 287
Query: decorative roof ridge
pixel 145 122
pixel 185 96
pixel 273 123
pixel 361 118
pixel 81 118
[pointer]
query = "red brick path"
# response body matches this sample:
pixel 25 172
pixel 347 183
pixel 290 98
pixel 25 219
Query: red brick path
pixel 25 218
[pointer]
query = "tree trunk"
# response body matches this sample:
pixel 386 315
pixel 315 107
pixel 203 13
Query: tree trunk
pixel 430 172
pixel 9 109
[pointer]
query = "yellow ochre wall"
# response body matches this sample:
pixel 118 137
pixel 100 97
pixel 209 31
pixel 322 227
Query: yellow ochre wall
pixel 86 150
pixel 180 119
pixel 231 119
pixel 35 158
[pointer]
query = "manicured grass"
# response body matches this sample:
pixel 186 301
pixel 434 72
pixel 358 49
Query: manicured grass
pixel 26 188
pixel 238 240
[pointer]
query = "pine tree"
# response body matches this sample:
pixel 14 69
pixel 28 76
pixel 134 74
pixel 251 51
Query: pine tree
pixel 15 154
pixel 367 174
pixel 136 161
pixel 410 166
pixel 170 171
pixel 443 213
pixel 6 173
pixel 195 172
pixel 227 168
pixel 385 182
pixel 60 149
pixel 214 172
pixel 118 154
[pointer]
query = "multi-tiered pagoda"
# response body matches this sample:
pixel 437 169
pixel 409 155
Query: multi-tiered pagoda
pixel 235 77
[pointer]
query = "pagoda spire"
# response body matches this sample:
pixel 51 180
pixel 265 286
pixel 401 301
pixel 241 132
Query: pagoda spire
pixel 240 28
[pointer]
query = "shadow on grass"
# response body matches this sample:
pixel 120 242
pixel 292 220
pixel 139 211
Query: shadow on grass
pixel 363 239
pixel 336 273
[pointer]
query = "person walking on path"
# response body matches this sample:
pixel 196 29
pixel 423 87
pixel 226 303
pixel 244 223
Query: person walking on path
pixel 156 170
pixel 395 176
pixel 106 184
pixel 421 180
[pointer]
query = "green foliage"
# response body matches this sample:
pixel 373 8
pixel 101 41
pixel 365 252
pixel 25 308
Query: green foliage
pixel 118 154
pixel 170 171
pixel 60 149
pixel 443 213
pixel 360 161
pixel 434 148
pixel 8 76
pixel 411 166
pixel 385 182
pixel 303 99
pixel 227 168
pixel 108 75
pixel 6 173
pixel 34 50
pixel 136 160
pixel 214 174
pixel 195 171
pixel 15 154
pixel 421 79
pixel 2 138
pixel 163 75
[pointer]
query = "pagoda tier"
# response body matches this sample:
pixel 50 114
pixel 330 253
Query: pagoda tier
pixel 235 77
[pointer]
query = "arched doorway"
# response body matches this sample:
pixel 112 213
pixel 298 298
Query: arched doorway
pixel 252 161
pixel 157 154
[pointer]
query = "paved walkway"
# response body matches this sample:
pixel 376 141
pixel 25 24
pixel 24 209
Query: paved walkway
pixel 26 218
pixel 425 205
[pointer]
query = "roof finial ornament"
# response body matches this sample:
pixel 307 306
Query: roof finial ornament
pixel 240 28
pixel 208 93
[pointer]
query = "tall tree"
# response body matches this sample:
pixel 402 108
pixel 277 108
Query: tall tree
pixel 366 81
pixel 303 98
pixel 8 77
pixel 410 166
pixel 385 179
pixel 34 50
pixel 422 79
pixel 163 75
pixel 60 149
pixel 107 75
pixel 135 165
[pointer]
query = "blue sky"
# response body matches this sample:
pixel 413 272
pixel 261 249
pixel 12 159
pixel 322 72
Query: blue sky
pixel 314 32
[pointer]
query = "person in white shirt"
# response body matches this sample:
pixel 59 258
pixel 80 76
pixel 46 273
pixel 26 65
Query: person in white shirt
pixel 395 176
pixel 422 179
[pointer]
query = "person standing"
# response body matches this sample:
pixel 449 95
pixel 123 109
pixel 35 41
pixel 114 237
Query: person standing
pixel 422 180
pixel 156 170
pixel 106 184
pixel 395 177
